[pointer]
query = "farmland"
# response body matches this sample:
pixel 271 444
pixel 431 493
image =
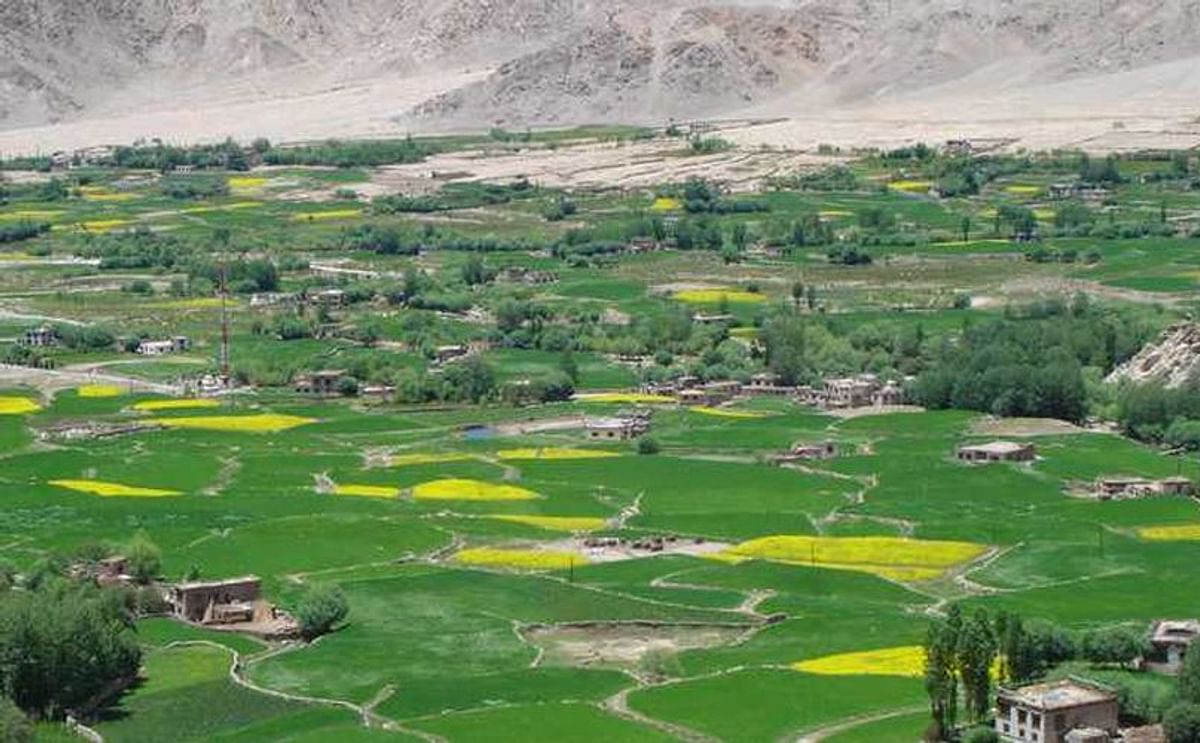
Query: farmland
pixel 512 571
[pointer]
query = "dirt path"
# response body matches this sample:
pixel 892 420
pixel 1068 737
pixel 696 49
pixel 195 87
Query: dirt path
pixel 618 704
pixel 49 380
pixel 819 734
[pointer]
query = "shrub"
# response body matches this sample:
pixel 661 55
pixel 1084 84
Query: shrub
pixel 320 609
pixel 144 557
pixel 980 735
pixel 1182 723
pixel 15 727
pixel 648 446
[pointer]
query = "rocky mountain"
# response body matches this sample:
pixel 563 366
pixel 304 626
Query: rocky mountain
pixel 555 61
pixel 1173 359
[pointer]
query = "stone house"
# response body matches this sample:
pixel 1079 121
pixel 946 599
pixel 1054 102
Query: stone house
pixel 1050 712
pixel 39 337
pixel 218 602
pixel 1169 642
pixel 620 428
pixel 323 382
pixel 178 344
pixel 997 451
pixel 1118 488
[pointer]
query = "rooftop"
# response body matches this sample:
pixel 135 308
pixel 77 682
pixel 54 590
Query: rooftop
pixel 197 585
pixel 1063 694
pixel 997 447
pixel 1175 630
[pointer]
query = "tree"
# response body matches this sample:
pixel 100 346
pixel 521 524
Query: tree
pixel 320 609
pixel 15 727
pixel 1116 645
pixel 474 272
pixel 965 226
pixel 981 735
pixel 975 653
pixel 144 558
pixel 798 292
pixel 1182 723
pixel 1189 678
pixel 568 366
pixel 940 678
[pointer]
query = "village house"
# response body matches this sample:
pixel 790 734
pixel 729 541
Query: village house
pixel 807 452
pixel 323 382
pixel 39 337
pixel 444 354
pixel 1169 643
pixel 767 385
pixel 997 451
pixel 178 344
pixel 110 571
pixel 328 298
pixel 850 392
pixel 620 428
pixel 701 318
pixel 274 299
pixel 216 602
pixel 1119 488
pixel 1064 711
pixel 380 392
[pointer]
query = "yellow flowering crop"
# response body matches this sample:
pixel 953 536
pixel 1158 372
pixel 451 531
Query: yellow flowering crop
pixel 262 423
pixel 666 204
pixel 180 404
pixel 1182 533
pixel 101 390
pixel 553 453
pixel 519 559
pixel 555 523
pixel 713 296
pixel 112 489
pixel 888 557
pixel 367 491
pixel 630 398
pixel 334 214
pixel 907 661
pixel 725 413
pixel 17 406
pixel 911 186
pixel 470 490
pixel 406 460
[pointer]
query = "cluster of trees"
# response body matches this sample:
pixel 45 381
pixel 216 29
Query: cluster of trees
pixel 701 197
pixel 1031 362
pixel 227 155
pixel 1160 415
pixel 62 645
pixel 320 609
pixel 18 231
pixel 193 187
pixel 349 154
pixel 964 652
pixel 457 196
pixel 849 255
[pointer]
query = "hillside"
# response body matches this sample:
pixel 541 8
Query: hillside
pixel 436 64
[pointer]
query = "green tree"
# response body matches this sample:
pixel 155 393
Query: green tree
pixel 1189 678
pixel 474 272
pixel 797 292
pixel 940 678
pixel 320 609
pixel 648 446
pixel 15 727
pixel 1182 723
pixel 1119 645
pixel 144 558
pixel 975 653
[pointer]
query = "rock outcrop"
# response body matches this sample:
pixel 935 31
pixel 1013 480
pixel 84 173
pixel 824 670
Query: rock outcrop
pixel 1173 359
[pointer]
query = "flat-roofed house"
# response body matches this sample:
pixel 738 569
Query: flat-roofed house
pixel 216 602
pixel 39 337
pixel 1170 640
pixel 997 451
pixel 323 382
pixel 1050 712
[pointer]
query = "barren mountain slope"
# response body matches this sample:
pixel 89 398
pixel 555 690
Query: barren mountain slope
pixel 534 62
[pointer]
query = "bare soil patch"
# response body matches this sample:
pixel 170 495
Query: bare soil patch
pixel 624 645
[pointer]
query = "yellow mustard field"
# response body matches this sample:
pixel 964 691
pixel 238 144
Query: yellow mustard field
pixel 666 204
pixel 112 489
pixel 333 214
pixel 911 186
pixel 409 460
pixel 238 205
pixel 727 413
pixel 105 225
pixel 180 404
pixel 516 455
pixel 834 214
pixel 100 390
pixel 713 296
pixel 1020 189
pixel 519 559
pixel 623 397
pixel 554 523
pixel 10 405
pixel 246 183
pixel 262 423
pixel 470 490
pixel 1179 533
pixel 902 661
pixel 888 557
pixel 366 491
